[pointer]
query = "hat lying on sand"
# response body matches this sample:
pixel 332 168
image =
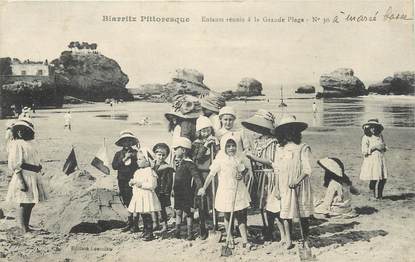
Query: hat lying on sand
pixel 213 102
pixel 227 110
pixel 24 122
pixel 373 122
pixel 203 122
pixel 184 106
pixel 262 122
pixel 289 121
pixel 127 138
pixel 182 142
pixel 333 165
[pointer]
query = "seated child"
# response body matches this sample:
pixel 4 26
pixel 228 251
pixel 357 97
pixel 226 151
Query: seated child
pixel 337 200
pixel 144 200
pixel 184 193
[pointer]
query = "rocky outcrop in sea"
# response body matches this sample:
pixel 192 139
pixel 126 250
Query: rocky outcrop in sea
pixel 401 83
pixel 307 89
pixel 341 83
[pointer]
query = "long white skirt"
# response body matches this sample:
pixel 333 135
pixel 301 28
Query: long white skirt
pixel 144 201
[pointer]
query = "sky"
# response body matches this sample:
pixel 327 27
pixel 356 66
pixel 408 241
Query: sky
pixel 273 53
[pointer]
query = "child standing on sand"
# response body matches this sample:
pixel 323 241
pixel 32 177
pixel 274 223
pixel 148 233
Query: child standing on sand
pixel 26 188
pixel 164 181
pixel 184 192
pixel 144 200
pixel 204 150
pixel 374 163
pixel 232 194
pixel 292 163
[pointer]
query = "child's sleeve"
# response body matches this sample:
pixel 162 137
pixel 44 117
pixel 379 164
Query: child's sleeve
pixel 169 181
pixel 117 161
pixel 214 168
pixel 15 159
pixel 365 146
pixel 194 172
pixel 306 160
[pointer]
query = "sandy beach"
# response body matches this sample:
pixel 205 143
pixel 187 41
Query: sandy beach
pixel 383 231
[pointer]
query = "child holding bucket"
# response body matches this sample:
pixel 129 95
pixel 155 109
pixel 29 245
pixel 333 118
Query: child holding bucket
pixel 374 163
pixel 232 195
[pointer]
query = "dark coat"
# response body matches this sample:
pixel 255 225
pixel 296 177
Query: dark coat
pixel 164 185
pixel 124 172
pixel 184 191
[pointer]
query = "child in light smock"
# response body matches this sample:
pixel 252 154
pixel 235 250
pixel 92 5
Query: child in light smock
pixel 232 194
pixel 144 200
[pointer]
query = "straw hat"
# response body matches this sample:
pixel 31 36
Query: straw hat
pixel 332 165
pixel 24 122
pixel 373 122
pixel 227 110
pixel 289 121
pixel 262 122
pixel 127 138
pixel 182 142
pixel 202 122
pixel 213 102
pixel 184 106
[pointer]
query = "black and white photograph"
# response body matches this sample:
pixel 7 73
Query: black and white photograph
pixel 207 130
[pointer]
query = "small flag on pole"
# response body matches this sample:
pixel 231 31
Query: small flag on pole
pixel 100 160
pixel 70 164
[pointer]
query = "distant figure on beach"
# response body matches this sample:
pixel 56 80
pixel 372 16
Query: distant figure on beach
pixel 337 200
pixel 26 188
pixel 68 118
pixel 314 108
pixel 374 162
pixel 25 113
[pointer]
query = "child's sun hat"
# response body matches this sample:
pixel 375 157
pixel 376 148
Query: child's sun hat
pixel 262 122
pixel 373 122
pixel 24 123
pixel 289 121
pixel 182 142
pixel 334 165
pixel 213 102
pixel 127 138
pixel 203 122
pixel 227 110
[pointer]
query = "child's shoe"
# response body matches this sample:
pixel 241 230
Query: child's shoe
pixel 177 234
pixel 129 224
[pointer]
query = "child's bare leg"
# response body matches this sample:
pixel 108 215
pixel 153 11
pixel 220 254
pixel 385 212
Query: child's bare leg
pixel 281 229
pixel 155 218
pixel 243 231
pixel 226 217
pixel 163 218
pixel 189 222
pixel 179 214
pixel 21 212
pixel 287 229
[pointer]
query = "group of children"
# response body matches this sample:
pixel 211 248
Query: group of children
pixel 209 170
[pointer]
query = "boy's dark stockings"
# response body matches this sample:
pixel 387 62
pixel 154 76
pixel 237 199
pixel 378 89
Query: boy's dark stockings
pixel 148 227
pixel 380 186
pixel 129 223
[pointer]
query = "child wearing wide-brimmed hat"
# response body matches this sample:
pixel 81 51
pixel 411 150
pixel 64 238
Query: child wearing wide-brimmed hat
pixel 26 187
pixel 337 200
pixel 164 181
pixel 184 191
pixel 144 200
pixel 125 162
pixel 292 164
pixel 374 162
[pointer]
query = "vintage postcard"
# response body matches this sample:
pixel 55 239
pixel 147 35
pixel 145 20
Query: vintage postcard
pixel 207 130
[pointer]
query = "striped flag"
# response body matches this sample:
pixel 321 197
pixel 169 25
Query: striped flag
pixel 70 164
pixel 100 160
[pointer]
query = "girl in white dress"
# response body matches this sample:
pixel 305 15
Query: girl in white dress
pixel 144 200
pixel 230 168
pixel 292 164
pixel 374 163
pixel 26 187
